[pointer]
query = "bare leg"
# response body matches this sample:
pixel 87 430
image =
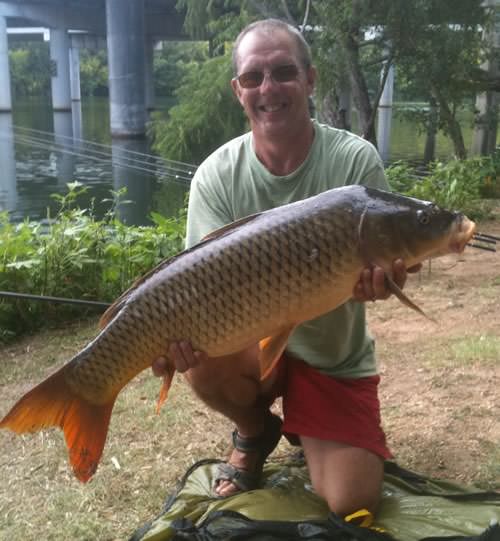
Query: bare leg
pixel 231 385
pixel 348 478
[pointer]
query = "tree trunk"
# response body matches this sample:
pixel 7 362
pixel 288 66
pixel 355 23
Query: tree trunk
pixel 485 124
pixel 360 91
pixel 336 110
pixel 452 124
pixel 430 141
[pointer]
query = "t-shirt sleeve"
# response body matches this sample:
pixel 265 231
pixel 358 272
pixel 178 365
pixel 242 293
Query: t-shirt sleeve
pixel 371 168
pixel 207 211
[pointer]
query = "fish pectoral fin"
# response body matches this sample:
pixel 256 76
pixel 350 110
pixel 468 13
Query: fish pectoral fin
pixel 53 403
pixel 394 288
pixel 167 382
pixel 271 349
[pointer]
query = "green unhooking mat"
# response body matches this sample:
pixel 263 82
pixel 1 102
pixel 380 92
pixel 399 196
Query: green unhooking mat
pixel 413 508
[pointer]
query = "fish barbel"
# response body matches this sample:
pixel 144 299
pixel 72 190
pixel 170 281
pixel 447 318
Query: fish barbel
pixel 250 282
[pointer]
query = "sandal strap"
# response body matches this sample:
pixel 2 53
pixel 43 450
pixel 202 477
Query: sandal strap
pixel 243 479
pixel 264 442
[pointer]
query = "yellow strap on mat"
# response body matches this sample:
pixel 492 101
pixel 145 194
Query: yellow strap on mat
pixel 364 519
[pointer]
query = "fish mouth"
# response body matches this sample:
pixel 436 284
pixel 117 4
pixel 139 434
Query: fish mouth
pixel 464 232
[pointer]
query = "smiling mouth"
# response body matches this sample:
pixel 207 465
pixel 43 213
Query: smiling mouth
pixel 272 108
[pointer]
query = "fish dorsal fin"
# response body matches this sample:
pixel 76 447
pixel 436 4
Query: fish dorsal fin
pixel 394 288
pixel 118 304
pixel 229 227
pixel 271 349
pixel 111 312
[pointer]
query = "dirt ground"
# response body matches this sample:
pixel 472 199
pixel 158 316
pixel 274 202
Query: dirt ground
pixel 440 389
pixel 440 397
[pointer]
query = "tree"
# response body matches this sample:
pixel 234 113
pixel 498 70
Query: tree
pixel 206 116
pixel 171 62
pixel 93 73
pixel 444 58
pixel 30 69
pixel 433 42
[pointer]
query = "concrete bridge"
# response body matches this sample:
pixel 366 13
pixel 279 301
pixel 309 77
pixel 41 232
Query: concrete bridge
pixel 128 28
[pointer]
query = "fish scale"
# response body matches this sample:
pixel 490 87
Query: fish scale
pixel 250 283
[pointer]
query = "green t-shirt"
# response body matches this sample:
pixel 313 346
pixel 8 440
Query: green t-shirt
pixel 232 183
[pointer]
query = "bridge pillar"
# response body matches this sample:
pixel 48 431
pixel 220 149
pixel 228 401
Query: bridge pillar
pixel 126 59
pixel 149 74
pixel 5 94
pixel 59 56
pixel 74 72
pixel 8 185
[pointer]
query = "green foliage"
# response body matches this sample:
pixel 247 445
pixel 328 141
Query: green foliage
pixel 30 69
pixel 452 185
pixel 455 185
pixel 171 62
pixel 206 116
pixel 93 73
pixel 401 176
pixel 489 170
pixel 76 256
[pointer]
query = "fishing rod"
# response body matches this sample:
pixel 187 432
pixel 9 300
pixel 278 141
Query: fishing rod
pixel 486 242
pixel 46 298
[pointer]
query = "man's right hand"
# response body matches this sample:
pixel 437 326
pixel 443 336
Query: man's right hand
pixel 183 357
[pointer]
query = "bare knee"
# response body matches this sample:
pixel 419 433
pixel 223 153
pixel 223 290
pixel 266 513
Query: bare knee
pixel 345 502
pixel 233 379
pixel 348 478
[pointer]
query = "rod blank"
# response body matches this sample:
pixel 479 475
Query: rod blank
pixel 62 300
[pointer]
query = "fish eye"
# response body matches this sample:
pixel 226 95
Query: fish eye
pixel 423 217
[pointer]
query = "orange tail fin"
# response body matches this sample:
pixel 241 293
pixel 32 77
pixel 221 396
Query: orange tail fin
pixel 85 425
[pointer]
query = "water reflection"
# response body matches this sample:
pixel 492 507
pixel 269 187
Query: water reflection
pixel 8 189
pixel 42 152
pixel 76 117
pixel 63 139
pixel 129 172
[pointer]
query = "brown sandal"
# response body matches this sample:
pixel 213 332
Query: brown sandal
pixel 264 444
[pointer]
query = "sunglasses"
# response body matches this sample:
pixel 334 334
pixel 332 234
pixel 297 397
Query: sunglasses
pixel 280 74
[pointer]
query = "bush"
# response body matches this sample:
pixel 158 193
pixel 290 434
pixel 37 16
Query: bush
pixel 401 176
pixel 456 185
pixel 76 256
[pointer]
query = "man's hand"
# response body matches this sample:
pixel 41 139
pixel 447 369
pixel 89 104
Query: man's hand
pixel 183 357
pixel 372 286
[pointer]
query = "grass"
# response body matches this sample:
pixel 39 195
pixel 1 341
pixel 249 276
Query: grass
pixel 145 453
pixel 482 349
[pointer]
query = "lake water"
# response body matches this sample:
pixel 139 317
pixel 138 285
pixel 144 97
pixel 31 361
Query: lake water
pixel 41 151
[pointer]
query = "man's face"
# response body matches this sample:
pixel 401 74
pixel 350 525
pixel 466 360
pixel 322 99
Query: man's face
pixel 273 108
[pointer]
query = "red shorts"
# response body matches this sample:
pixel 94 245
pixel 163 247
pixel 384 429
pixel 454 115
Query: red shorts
pixel 345 410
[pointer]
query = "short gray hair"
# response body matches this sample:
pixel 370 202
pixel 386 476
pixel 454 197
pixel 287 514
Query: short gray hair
pixel 269 26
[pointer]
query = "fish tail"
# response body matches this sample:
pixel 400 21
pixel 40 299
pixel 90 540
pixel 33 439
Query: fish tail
pixel 53 403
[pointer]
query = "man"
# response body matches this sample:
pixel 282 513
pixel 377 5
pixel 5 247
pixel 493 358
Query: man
pixel 328 377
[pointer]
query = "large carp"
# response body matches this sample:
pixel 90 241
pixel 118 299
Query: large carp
pixel 250 282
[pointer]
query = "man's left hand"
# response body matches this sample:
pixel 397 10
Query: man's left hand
pixel 372 285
